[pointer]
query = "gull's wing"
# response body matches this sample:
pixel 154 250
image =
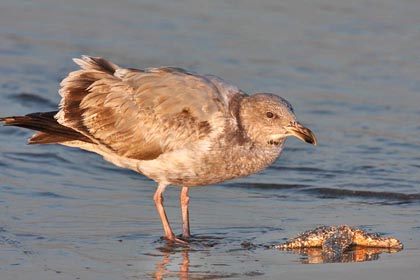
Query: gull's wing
pixel 141 114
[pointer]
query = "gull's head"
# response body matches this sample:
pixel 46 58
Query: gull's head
pixel 269 119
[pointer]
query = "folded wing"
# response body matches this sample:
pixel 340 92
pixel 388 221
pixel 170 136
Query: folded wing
pixel 141 114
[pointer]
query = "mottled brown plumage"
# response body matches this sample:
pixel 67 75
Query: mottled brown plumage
pixel 174 126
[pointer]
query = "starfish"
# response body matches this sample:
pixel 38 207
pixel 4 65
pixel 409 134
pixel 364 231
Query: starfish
pixel 340 244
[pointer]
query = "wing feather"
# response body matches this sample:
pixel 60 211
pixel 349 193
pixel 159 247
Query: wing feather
pixel 140 114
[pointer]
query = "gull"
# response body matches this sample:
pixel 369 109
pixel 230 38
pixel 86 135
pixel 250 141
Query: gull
pixel 174 126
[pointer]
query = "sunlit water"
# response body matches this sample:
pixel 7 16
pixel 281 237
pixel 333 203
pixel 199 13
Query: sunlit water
pixel 351 70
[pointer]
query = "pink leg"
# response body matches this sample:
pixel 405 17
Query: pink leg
pixel 184 198
pixel 158 198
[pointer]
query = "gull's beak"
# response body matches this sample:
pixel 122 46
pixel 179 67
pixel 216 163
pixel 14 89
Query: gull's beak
pixel 301 132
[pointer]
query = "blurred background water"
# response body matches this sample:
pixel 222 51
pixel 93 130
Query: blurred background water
pixel 351 70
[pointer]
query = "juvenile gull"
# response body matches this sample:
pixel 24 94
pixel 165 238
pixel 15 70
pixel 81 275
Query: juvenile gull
pixel 174 126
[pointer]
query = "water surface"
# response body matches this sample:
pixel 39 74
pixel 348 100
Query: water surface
pixel 350 69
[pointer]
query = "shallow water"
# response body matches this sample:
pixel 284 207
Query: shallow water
pixel 351 70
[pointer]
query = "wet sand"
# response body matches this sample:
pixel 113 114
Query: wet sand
pixel 350 71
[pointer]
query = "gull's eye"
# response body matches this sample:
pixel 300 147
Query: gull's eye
pixel 269 115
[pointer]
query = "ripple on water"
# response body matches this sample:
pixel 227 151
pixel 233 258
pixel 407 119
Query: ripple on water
pixel 267 186
pixel 32 100
pixel 399 198
pixel 9 130
pixel 49 195
pixel 334 193
pixel 35 157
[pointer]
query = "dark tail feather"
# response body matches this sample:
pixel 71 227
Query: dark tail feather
pixel 50 131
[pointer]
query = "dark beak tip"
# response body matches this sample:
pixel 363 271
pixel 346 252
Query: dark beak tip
pixel 303 133
pixel 313 141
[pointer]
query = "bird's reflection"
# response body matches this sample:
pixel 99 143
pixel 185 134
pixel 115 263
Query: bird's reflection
pixel 170 251
pixel 175 261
